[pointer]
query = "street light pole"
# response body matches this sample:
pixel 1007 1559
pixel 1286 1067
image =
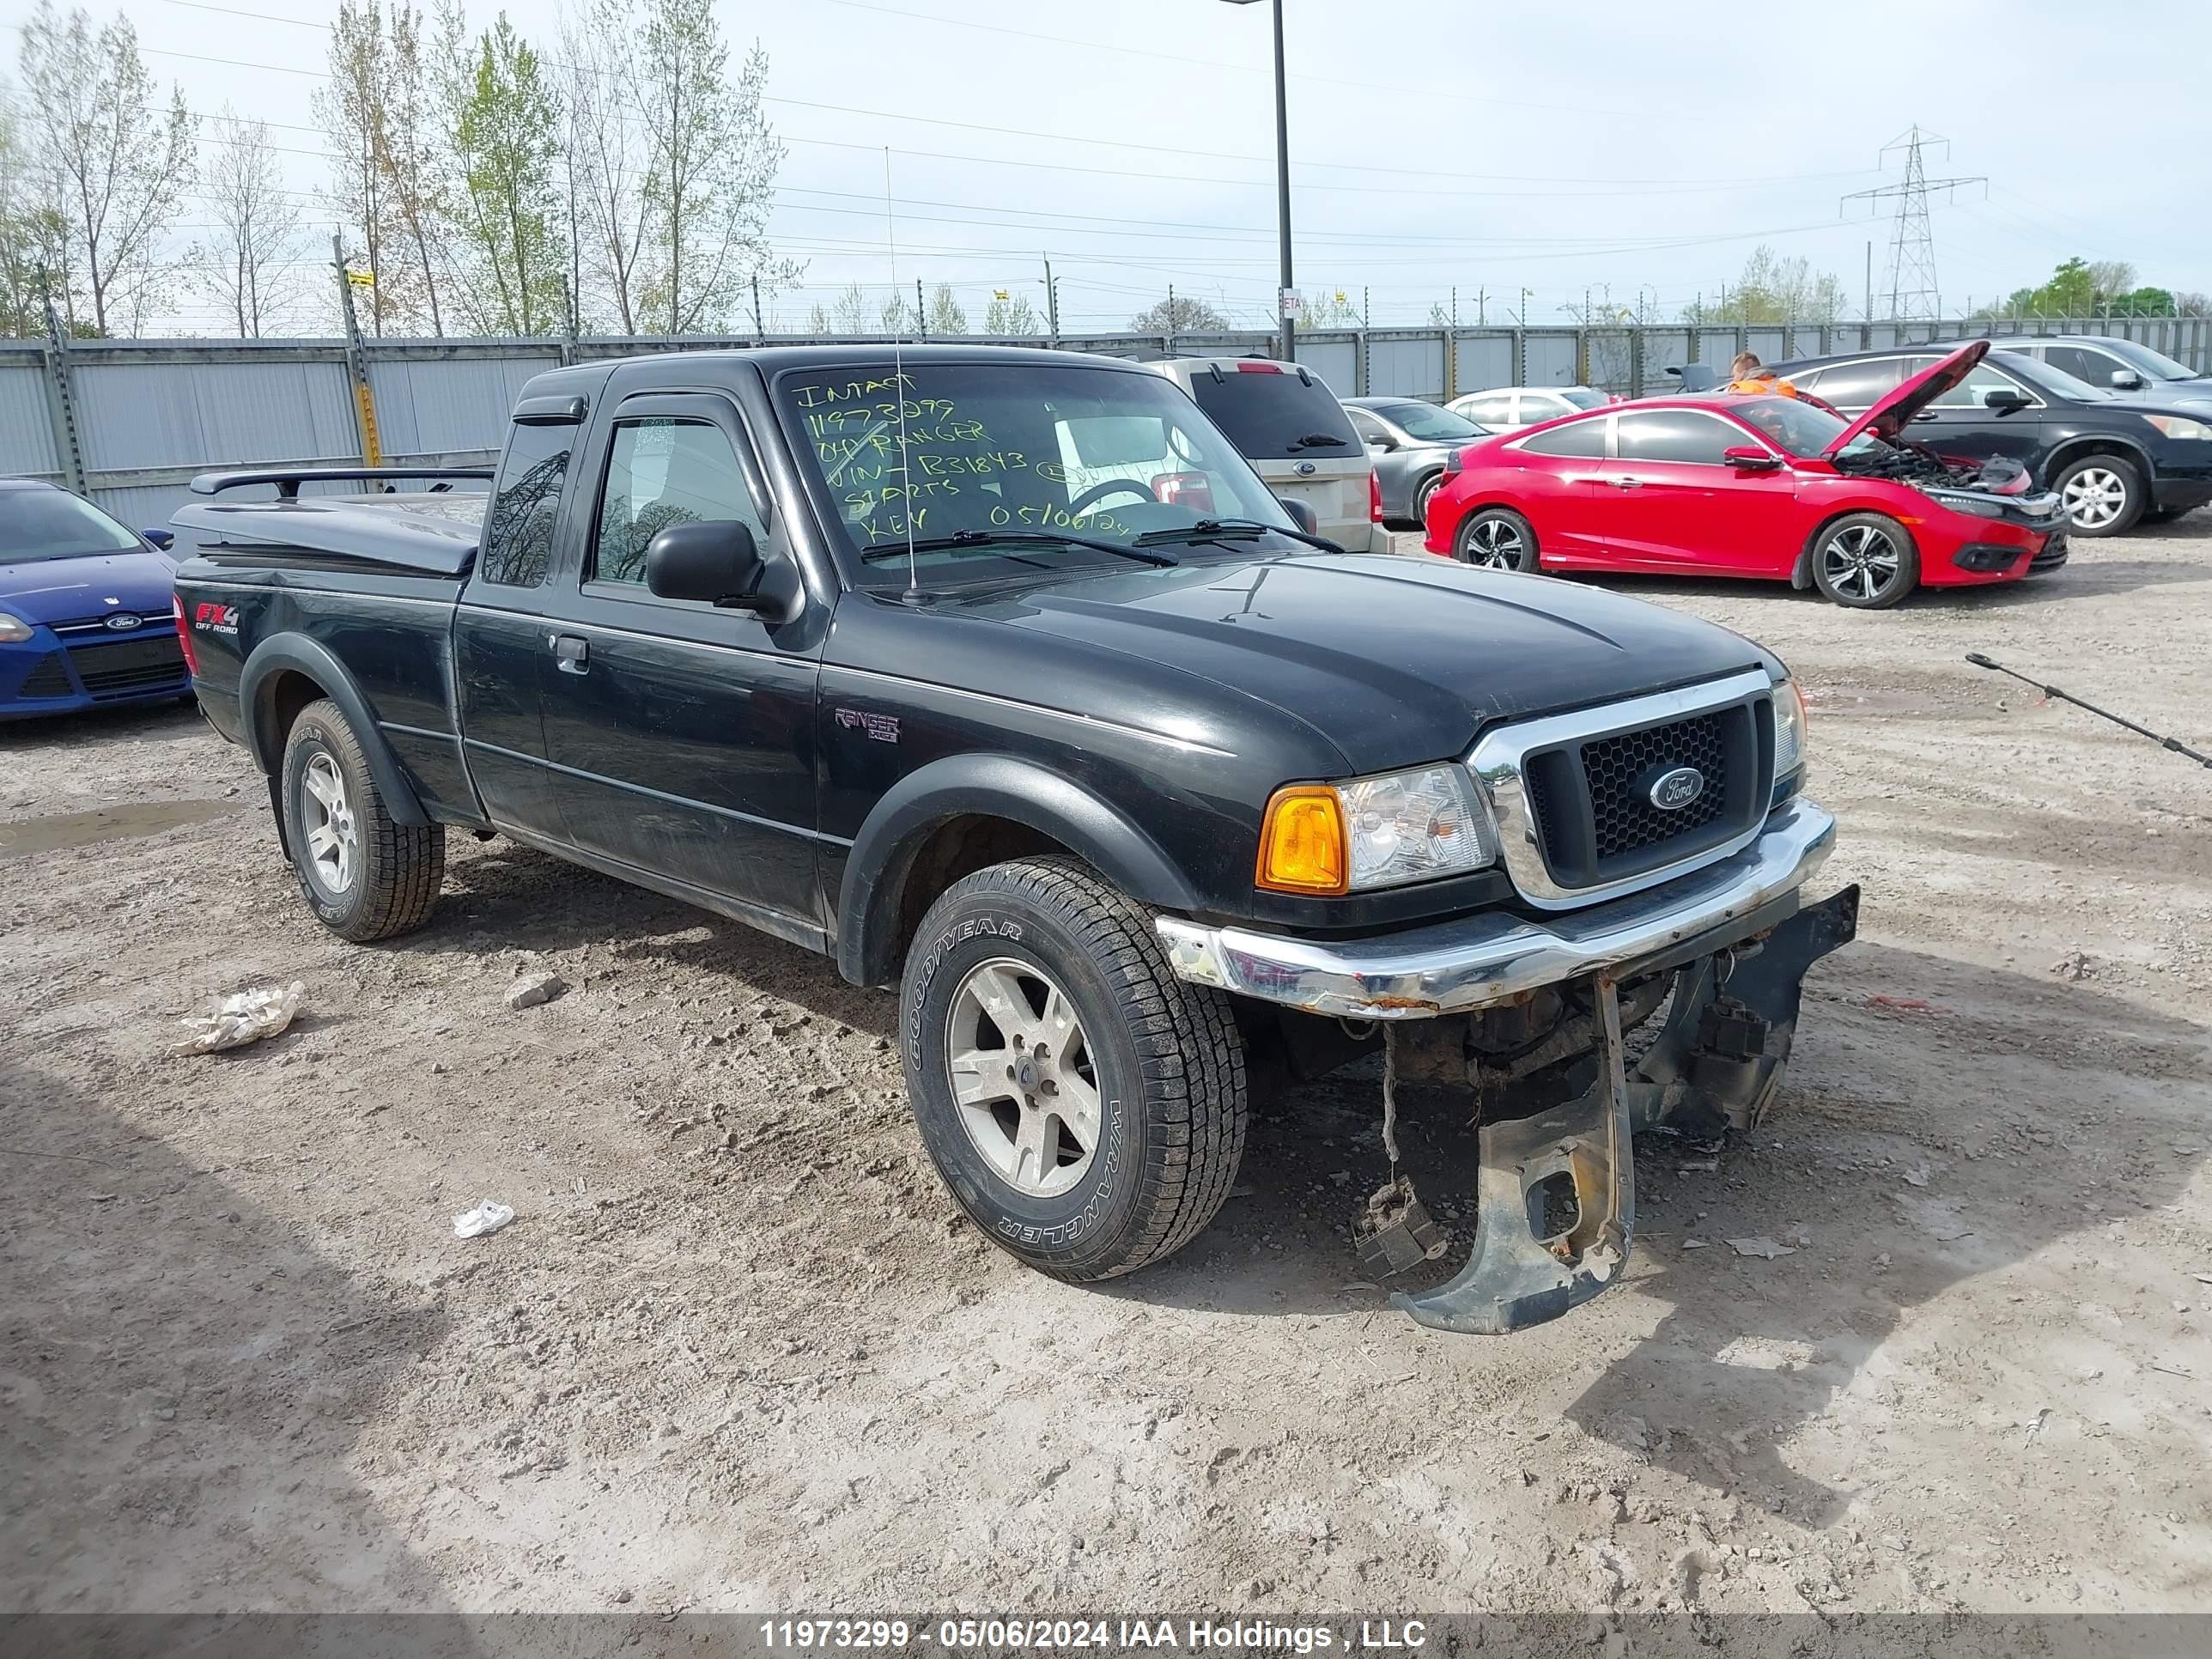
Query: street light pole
pixel 1286 343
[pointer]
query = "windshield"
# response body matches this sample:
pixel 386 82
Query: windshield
pixel 1272 414
pixel 1427 420
pixel 53 524
pixel 1581 397
pixel 2151 363
pixel 996 452
pixel 1804 428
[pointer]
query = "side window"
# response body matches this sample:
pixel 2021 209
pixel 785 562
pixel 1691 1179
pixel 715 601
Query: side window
pixel 1854 386
pixel 664 472
pixel 518 537
pixel 1492 411
pixel 1537 406
pixel 2083 364
pixel 1368 429
pixel 1675 434
pixel 1585 439
pixel 1968 394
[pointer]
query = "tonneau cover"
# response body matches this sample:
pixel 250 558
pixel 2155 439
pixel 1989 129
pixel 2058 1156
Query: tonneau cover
pixel 435 533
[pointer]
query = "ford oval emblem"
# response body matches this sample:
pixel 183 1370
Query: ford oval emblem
pixel 1305 468
pixel 125 619
pixel 1673 790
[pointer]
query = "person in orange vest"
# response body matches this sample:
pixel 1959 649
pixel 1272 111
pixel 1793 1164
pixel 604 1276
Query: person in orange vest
pixel 1747 374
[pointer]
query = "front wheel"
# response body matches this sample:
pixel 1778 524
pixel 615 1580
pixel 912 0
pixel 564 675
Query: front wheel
pixel 366 876
pixel 2104 495
pixel 1084 1106
pixel 1423 495
pixel 1865 561
pixel 1497 539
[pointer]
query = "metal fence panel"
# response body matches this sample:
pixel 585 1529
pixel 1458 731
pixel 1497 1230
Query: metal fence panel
pixel 1408 368
pixel 1551 359
pixel 27 431
pixel 1485 360
pixel 169 413
pixel 1663 348
pixel 441 406
pixel 1337 363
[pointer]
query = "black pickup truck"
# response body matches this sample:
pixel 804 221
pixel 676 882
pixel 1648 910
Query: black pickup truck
pixel 999 675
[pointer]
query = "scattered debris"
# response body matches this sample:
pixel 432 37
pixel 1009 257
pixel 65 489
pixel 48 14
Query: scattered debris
pixel 1695 1244
pixel 1762 1247
pixel 2074 966
pixel 1917 1175
pixel 248 1017
pixel 1905 1005
pixel 534 989
pixel 2035 1424
pixel 1709 1165
pixel 488 1217
pixel 1395 1231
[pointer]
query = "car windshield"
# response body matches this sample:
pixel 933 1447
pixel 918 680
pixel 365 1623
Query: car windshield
pixel 1581 397
pixel 2151 363
pixel 1804 428
pixel 1427 420
pixel 1000 467
pixel 53 524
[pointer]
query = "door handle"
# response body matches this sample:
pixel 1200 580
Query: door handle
pixel 1625 484
pixel 571 655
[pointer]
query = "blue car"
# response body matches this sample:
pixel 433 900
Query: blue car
pixel 85 607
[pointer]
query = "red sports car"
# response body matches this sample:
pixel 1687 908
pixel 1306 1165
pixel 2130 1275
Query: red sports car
pixel 1742 484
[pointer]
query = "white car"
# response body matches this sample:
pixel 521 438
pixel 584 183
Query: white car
pixel 1284 419
pixel 1509 407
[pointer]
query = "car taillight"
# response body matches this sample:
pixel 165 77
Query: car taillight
pixel 184 635
pixel 1452 464
pixel 1192 489
pixel 1257 366
pixel 1374 497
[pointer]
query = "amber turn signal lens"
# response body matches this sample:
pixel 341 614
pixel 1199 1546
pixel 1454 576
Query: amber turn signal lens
pixel 1302 843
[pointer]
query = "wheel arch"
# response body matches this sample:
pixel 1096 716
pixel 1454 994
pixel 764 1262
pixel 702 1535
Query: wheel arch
pixel 2064 455
pixel 284 674
pixel 1801 575
pixel 963 813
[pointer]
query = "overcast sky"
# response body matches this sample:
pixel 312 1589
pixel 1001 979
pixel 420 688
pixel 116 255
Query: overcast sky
pixel 1649 147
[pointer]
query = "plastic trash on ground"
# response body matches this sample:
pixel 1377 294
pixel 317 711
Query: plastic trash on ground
pixel 248 1017
pixel 488 1217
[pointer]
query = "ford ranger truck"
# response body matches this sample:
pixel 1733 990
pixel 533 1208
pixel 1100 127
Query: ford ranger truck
pixel 1000 677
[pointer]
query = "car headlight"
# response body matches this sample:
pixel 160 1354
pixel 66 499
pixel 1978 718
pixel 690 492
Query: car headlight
pixel 1979 506
pixel 1789 730
pixel 2180 426
pixel 14 631
pixel 1321 839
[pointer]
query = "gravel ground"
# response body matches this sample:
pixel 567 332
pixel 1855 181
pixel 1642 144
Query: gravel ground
pixel 737 1350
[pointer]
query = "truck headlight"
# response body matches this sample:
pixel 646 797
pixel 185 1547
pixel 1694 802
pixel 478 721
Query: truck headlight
pixel 1321 839
pixel 1789 735
pixel 2180 426
pixel 14 631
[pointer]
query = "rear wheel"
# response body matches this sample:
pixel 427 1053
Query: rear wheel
pixel 366 876
pixel 2104 495
pixel 1085 1107
pixel 1497 539
pixel 1426 493
pixel 1865 561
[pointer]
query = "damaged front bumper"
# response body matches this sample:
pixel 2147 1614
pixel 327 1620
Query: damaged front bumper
pixel 1456 967
pixel 1731 943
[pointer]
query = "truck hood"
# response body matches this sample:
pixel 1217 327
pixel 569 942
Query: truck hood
pixel 90 585
pixel 1395 660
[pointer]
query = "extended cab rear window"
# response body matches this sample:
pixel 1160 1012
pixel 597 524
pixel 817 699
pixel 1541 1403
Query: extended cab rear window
pixel 1272 414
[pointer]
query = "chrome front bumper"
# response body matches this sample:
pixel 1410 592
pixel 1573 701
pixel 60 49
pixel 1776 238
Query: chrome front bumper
pixel 1452 967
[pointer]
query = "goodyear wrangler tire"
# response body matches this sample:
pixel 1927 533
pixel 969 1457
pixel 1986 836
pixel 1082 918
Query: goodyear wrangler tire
pixel 363 875
pixel 1084 1106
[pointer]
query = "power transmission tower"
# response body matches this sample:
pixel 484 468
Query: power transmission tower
pixel 1914 294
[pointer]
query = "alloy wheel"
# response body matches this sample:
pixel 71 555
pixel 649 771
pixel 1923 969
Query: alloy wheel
pixel 326 815
pixel 1495 544
pixel 2095 496
pixel 1022 1077
pixel 1860 562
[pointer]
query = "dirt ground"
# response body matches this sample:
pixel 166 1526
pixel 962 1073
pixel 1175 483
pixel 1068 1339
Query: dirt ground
pixel 738 1351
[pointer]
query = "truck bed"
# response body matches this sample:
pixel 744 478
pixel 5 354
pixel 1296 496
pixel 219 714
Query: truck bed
pixel 430 534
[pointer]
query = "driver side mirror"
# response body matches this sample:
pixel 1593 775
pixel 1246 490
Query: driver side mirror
pixel 1382 443
pixel 716 562
pixel 1750 458
pixel 1302 514
pixel 2127 380
pixel 162 540
pixel 2003 397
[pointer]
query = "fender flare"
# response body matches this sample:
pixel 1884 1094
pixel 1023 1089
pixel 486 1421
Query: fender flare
pixel 1801 574
pixel 992 785
pixel 2100 443
pixel 301 654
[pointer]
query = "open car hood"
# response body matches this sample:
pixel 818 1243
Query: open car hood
pixel 1889 416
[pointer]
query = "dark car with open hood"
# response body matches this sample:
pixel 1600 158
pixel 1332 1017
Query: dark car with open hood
pixel 933 660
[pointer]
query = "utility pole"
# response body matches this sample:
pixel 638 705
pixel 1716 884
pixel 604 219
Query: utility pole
pixel 1481 307
pixel 1286 338
pixel 364 402
pixel 1914 294
pixel 1051 299
pixel 1870 280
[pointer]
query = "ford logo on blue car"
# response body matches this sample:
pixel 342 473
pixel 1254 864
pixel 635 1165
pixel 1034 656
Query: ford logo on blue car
pixel 1672 791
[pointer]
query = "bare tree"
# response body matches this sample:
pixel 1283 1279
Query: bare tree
pixel 2108 280
pixel 945 316
pixel 33 259
pixel 115 164
pixel 1186 315
pixel 608 157
pixel 353 110
pixel 250 266
pixel 1010 314
pixel 711 177
pixel 414 187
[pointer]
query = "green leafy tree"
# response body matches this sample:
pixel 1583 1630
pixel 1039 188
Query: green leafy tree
pixel 33 262
pixel 352 107
pixel 1330 309
pixel 1773 290
pixel 945 316
pixel 112 160
pixel 503 127
pixel 1012 314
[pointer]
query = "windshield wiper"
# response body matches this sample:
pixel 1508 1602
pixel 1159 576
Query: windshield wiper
pixel 1238 529
pixel 1018 539
pixel 1313 439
